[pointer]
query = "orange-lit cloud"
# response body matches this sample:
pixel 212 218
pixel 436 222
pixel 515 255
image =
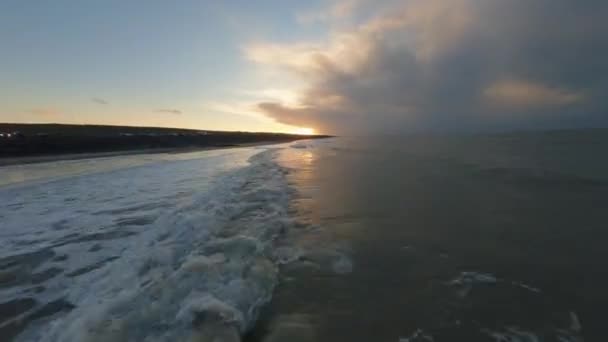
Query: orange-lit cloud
pixel 521 93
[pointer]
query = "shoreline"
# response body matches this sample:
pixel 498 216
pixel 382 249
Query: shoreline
pixel 36 143
pixel 24 160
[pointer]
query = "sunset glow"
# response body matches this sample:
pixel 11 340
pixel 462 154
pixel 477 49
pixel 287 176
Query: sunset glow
pixel 304 131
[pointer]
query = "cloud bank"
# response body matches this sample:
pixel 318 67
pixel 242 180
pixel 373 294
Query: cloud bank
pixel 447 65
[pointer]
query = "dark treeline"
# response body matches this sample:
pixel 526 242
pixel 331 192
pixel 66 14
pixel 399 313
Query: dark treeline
pixel 47 139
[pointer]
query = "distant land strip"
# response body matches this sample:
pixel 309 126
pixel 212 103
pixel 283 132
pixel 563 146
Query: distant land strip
pixel 30 140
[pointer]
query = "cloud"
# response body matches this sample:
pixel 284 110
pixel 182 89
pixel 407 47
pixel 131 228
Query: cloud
pixel 169 111
pixel 286 96
pixel 458 64
pixel 522 93
pixel 99 101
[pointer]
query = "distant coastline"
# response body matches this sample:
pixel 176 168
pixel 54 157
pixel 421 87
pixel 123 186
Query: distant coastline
pixel 32 143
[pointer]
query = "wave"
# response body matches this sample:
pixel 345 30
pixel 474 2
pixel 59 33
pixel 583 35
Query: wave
pixel 198 272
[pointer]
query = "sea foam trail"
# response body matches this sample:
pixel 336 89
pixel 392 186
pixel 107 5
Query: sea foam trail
pixel 199 272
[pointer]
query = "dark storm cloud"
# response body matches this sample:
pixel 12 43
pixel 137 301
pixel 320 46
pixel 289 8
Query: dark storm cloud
pixel 458 64
pixel 169 111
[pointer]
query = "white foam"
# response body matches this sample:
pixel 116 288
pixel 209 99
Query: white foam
pixel 473 277
pixel 575 323
pixel 206 253
pixel 202 263
pixel 200 304
pixel 512 334
pixel 292 327
pixel 516 334
pixel 342 264
pixel 526 286
pixel 417 336
pixel 466 280
pixel 287 254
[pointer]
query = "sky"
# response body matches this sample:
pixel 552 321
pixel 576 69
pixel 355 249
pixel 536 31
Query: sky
pixel 332 66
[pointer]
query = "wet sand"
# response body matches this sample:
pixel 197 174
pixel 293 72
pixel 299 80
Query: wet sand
pixel 6 161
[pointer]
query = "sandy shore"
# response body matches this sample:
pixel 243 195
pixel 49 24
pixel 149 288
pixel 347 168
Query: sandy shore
pixel 75 156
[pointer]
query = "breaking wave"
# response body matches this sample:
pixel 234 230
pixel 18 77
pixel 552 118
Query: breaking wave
pixel 199 271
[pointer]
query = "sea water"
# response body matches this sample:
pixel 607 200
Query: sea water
pixel 422 238
pixel 487 237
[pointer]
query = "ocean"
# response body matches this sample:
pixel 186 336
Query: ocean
pixel 401 239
